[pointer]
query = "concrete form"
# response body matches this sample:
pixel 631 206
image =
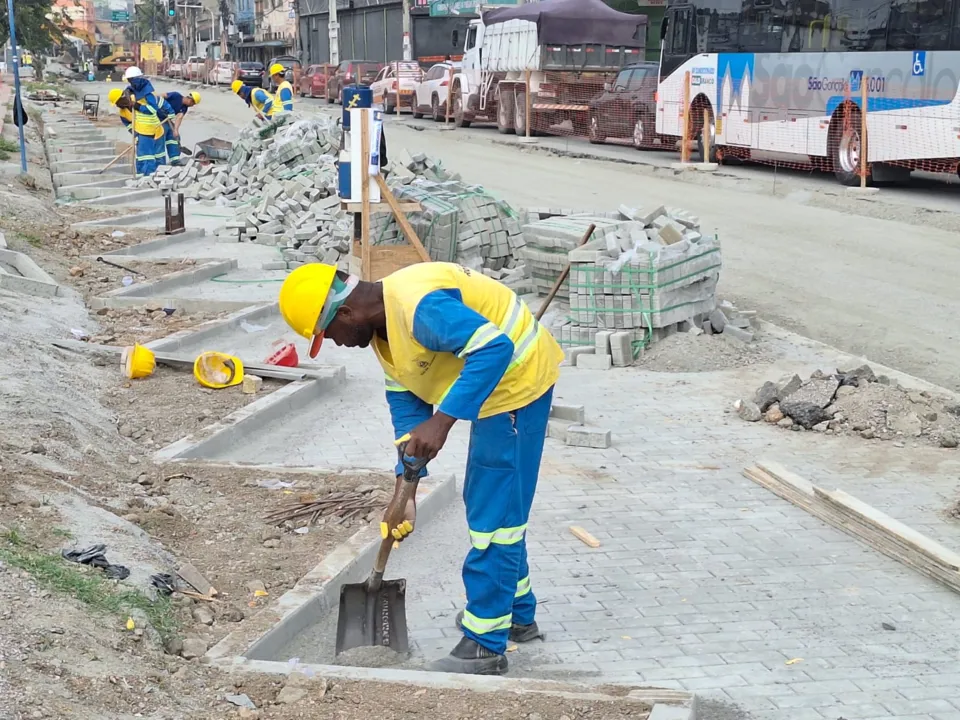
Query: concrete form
pixel 21 274
pixel 198 245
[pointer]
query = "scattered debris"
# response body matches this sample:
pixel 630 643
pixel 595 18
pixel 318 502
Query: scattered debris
pixel 342 505
pixel 854 401
pixel 96 556
pixel 195 579
pixel 584 537
pixel 568 423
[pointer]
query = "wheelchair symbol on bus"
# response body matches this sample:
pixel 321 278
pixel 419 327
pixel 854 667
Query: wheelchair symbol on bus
pixel 919 63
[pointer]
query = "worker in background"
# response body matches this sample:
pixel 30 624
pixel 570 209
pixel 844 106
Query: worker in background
pixel 454 345
pixel 283 98
pixel 259 99
pixel 144 93
pixel 147 130
pixel 179 104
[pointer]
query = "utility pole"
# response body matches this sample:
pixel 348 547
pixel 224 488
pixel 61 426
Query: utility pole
pixel 407 45
pixel 334 30
pixel 18 104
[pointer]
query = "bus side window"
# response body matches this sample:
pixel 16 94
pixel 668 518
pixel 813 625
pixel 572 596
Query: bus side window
pixel 761 26
pixel 678 32
pixel 919 25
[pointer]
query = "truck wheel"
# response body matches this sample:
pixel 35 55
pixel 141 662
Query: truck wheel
pixel 458 110
pixel 505 112
pixel 387 107
pixel 435 109
pixel 593 131
pixel 520 113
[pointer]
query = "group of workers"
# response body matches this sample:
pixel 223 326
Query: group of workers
pixel 153 118
pixel 262 102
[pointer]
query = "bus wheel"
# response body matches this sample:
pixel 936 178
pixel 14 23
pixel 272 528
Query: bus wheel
pixel 711 131
pixel 520 113
pixel 846 152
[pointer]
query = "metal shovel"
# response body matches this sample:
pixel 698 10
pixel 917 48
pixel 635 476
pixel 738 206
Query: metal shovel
pixel 375 612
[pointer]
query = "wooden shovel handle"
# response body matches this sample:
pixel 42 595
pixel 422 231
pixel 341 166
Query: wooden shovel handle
pixel 563 276
pixel 393 517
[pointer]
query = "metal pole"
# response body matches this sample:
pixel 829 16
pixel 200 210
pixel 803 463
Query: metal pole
pixel 333 28
pixel 407 42
pixel 863 133
pixel 16 86
pixel 685 137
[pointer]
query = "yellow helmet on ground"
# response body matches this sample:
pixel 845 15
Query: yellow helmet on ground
pixel 114 95
pixel 195 96
pixel 277 69
pixel 303 296
pixel 217 370
pixel 236 85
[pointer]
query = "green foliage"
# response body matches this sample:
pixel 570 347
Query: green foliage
pixel 150 21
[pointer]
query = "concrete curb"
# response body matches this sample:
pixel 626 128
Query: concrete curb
pixel 122 220
pixel 160 290
pixel 175 342
pixel 167 241
pixel 237 426
pixel 32 280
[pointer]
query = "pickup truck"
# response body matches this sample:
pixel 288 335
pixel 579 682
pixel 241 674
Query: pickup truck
pixel 195 69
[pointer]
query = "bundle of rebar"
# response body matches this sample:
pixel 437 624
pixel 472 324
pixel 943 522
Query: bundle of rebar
pixel 344 505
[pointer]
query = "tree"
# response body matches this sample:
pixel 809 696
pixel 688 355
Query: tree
pixel 150 21
pixel 38 28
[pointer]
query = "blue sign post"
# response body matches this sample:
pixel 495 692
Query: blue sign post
pixel 16 87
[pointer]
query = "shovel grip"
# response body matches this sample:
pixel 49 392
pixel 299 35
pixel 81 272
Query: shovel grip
pixel 393 517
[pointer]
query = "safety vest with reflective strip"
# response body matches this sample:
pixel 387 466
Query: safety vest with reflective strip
pixel 148 124
pixel 259 99
pixel 278 102
pixel 429 375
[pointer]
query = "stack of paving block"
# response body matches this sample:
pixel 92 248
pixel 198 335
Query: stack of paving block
pixel 647 274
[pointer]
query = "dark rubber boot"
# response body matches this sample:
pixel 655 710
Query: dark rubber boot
pixel 470 658
pixel 518 633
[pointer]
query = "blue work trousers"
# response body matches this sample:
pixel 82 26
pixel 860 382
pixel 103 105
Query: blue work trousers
pixel 160 150
pixel 145 148
pixel 503 463
pixel 172 143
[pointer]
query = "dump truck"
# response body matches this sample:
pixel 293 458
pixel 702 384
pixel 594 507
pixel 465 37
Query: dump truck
pixel 565 50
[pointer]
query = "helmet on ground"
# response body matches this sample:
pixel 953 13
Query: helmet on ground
pixel 236 85
pixel 217 370
pixel 303 296
pixel 114 95
pixel 195 96
pixel 132 72
pixel 277 69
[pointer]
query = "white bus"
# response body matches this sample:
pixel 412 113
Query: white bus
pixel 782 80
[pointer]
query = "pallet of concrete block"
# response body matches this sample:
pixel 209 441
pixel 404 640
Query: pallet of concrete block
pixel 550 234
pixel 568 423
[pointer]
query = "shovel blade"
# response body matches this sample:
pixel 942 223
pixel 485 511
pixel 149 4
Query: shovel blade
pixel 371 618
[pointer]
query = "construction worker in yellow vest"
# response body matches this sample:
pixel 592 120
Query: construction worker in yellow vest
pixel 283 97
pixel 454 345
pixel 259 99
pixel 147 130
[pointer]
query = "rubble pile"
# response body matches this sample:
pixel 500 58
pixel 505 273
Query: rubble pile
pixel 854 402
pixel 641 275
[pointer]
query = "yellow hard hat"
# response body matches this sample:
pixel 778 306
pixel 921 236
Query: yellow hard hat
pixel 236 85
pixel 196 97
pixel 217 370
pixel 277 69
pixel 302 297
pixel 114 95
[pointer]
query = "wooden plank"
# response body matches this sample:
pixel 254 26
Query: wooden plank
pixel 900 532
pixel 195 578
pixel 777 470
pixel 365 268
pixel 584 537
pixel 402 219
pixel 383 207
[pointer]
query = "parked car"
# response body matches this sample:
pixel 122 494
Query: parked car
pixel 175 69
pixel 290 63
pixel 195 68
pixel 251 73
pixel 395 85
pixel 351 72
pixel 627 108
pixel 222 73
pixel 313 82
pixel 430 95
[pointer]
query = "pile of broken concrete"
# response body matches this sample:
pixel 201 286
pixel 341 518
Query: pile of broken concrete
pixel 856 401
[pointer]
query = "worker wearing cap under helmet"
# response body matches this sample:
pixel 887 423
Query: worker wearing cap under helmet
pixel 147 130
pixel 179 103
pixel 283 97
pixel 452 339
pixel 145 94
pixel 259 99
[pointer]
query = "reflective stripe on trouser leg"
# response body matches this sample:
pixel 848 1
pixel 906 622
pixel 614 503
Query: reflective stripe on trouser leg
pixel 160 150
pixel 146 162
pixel 496 518
pixel 532 427
pixel 173 145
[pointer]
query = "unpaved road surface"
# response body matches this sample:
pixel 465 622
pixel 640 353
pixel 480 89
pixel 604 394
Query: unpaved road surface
pixel 868 276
